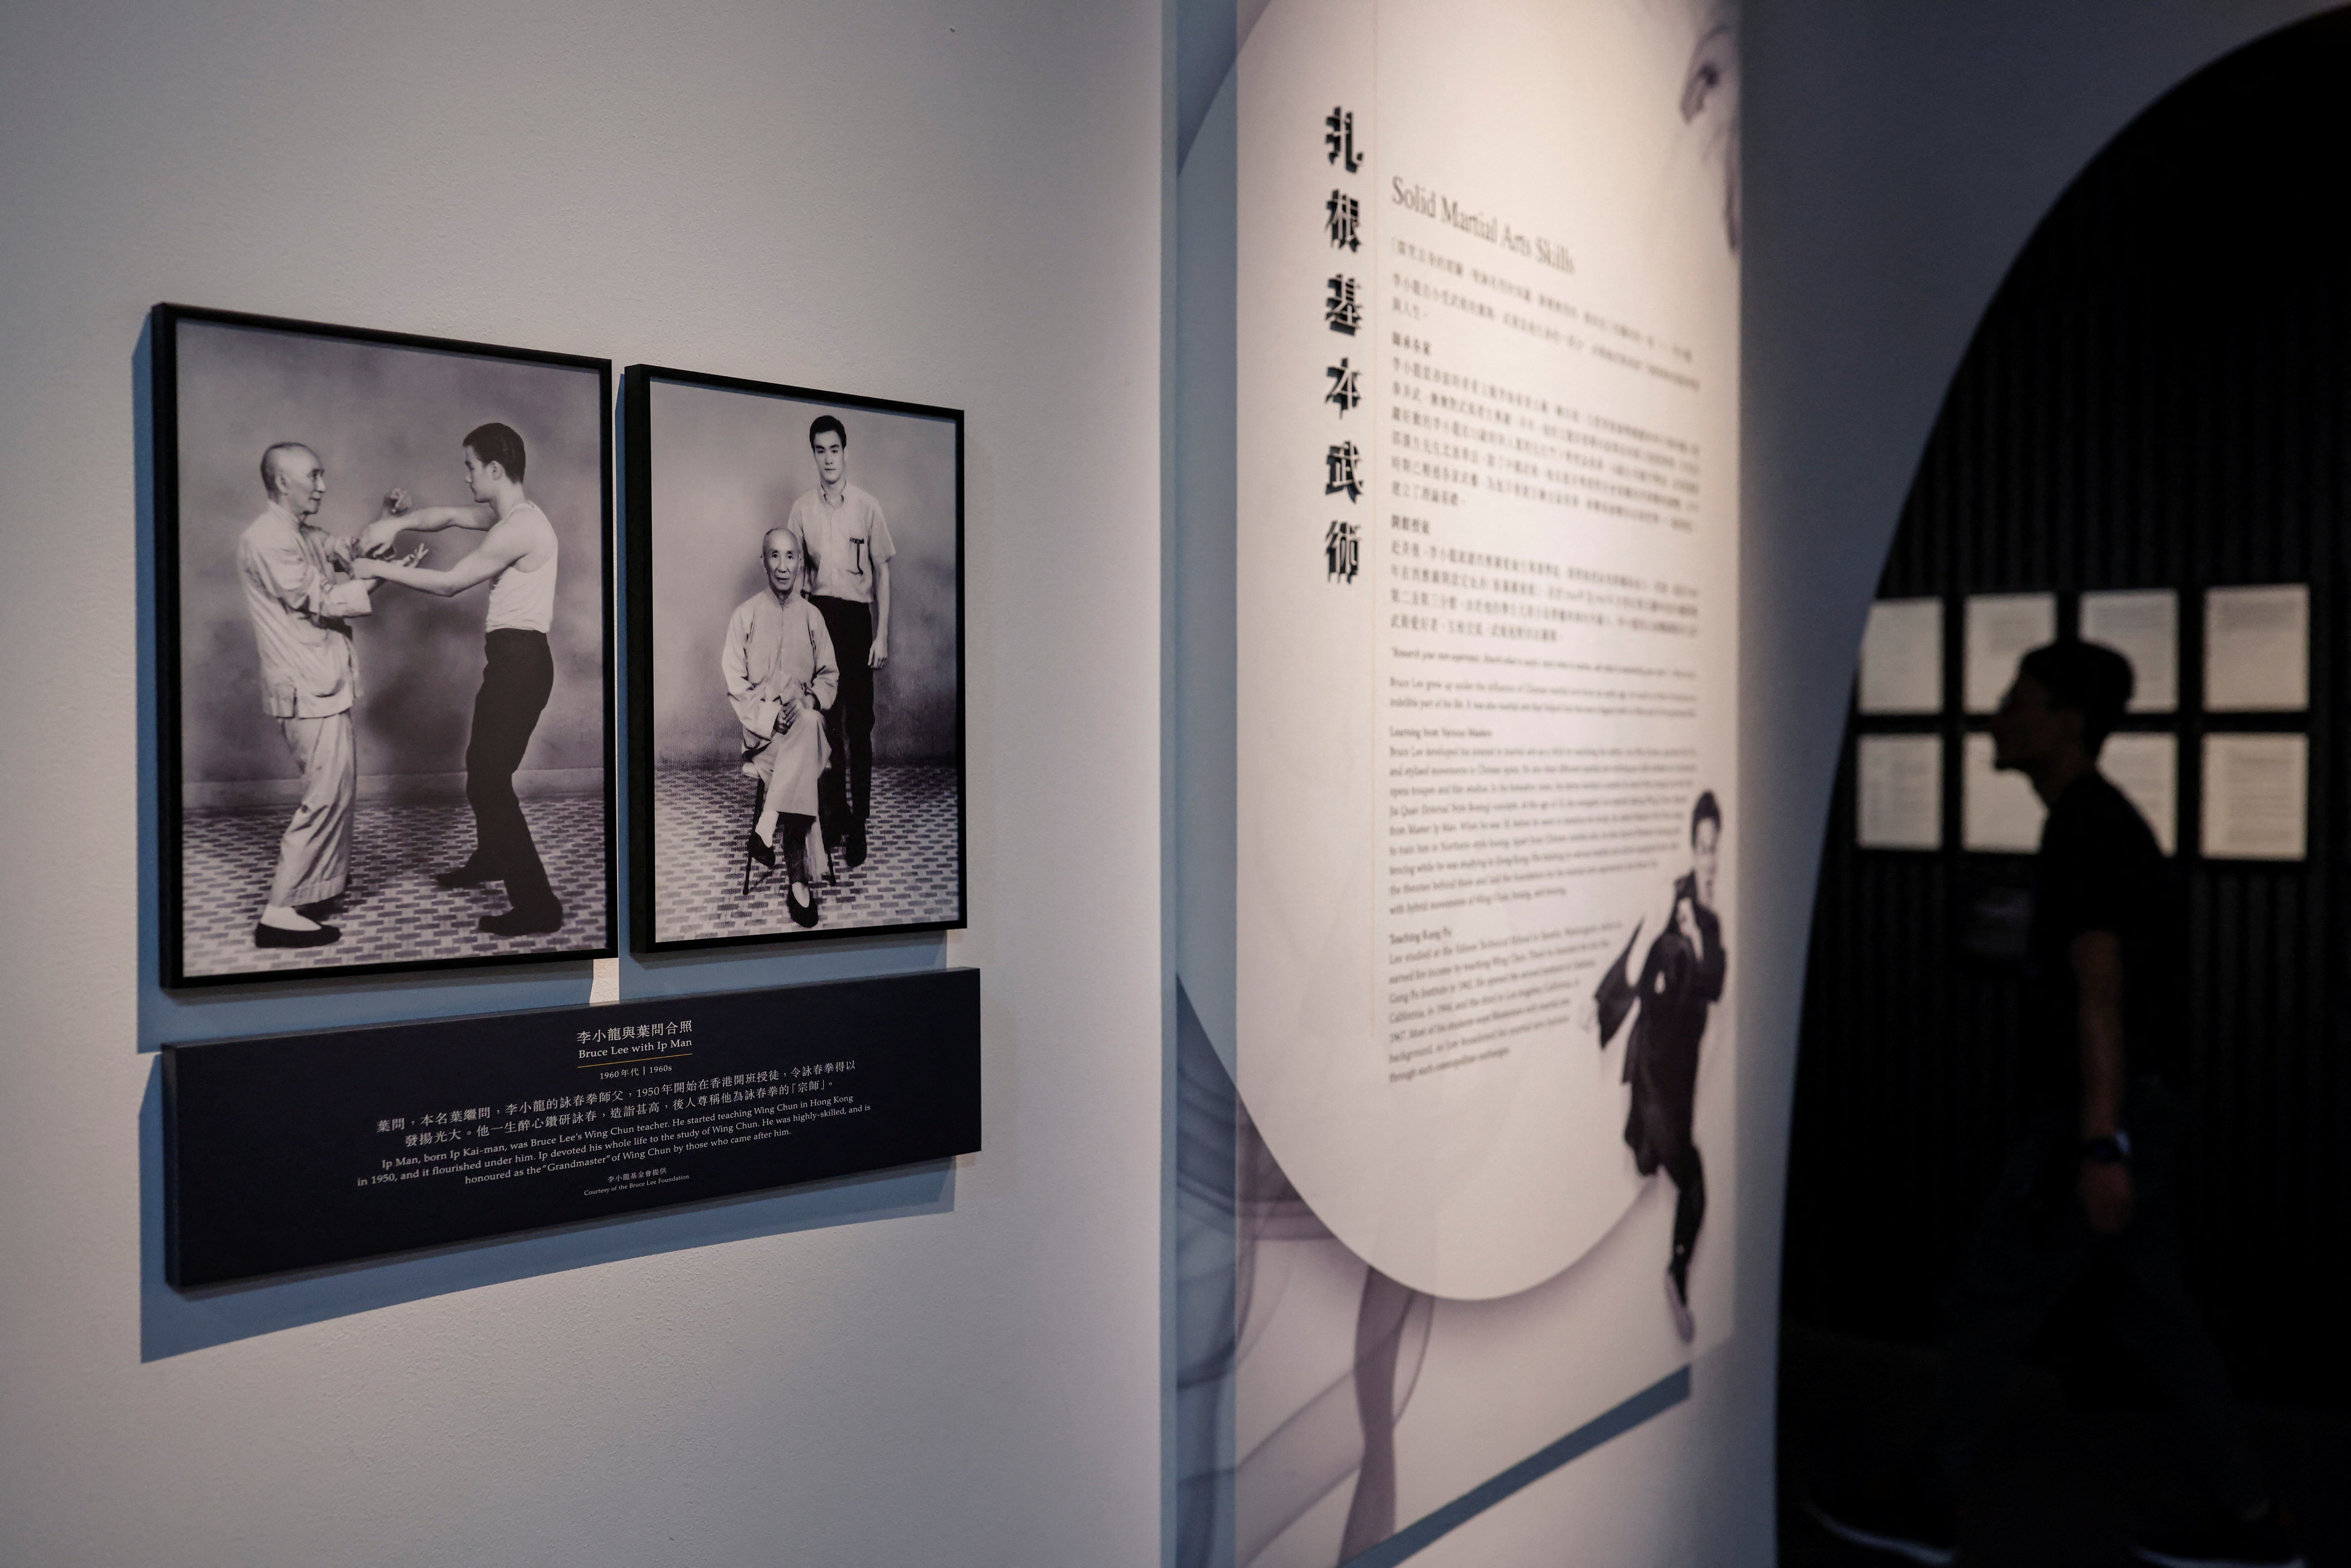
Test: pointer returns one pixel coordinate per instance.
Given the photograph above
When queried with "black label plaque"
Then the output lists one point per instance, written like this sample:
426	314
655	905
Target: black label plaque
292	1151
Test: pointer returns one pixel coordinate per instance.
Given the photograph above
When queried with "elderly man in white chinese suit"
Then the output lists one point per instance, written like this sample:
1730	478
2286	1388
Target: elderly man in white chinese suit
780	677
300	598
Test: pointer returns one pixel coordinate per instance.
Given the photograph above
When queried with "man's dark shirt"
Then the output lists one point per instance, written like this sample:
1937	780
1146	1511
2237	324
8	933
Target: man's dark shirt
1675	988
2099	869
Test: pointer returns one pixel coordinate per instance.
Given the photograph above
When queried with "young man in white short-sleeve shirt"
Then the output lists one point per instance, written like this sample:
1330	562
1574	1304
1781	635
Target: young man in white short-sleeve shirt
845	541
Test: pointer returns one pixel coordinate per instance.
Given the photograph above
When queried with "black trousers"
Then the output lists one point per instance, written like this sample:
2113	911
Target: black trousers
2034	1241
517	674
845	794
1690	1205
1658	1132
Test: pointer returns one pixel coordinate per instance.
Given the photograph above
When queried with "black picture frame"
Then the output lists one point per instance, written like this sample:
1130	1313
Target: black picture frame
642	539
165	322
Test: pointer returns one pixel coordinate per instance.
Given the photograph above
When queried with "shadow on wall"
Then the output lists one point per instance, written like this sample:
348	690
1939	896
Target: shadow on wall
379	417
726	467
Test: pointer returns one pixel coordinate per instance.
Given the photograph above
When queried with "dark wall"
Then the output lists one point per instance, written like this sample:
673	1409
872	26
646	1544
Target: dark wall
2158	397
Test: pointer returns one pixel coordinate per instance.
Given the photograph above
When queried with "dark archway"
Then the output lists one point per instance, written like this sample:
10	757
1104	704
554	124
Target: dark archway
2160	396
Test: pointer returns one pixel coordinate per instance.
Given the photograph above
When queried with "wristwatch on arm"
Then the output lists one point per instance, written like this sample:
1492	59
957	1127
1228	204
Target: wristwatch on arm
2110	1150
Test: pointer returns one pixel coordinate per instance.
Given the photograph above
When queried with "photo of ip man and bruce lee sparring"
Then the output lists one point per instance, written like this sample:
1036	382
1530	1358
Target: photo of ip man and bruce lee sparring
384	604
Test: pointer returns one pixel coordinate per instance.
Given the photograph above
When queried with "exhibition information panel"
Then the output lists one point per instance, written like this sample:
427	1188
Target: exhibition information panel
1488	582
295	1150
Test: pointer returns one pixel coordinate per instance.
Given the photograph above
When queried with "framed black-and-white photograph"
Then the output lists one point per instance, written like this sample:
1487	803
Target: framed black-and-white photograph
796	704
384	591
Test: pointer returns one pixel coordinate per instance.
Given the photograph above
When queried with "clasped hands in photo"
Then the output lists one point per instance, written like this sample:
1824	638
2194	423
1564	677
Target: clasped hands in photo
780	714
378	541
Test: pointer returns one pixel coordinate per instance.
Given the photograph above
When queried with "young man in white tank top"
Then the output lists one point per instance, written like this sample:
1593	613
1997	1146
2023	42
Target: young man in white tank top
517	558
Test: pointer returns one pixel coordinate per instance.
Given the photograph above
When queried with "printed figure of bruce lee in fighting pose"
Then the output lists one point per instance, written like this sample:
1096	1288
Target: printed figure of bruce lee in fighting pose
1679	983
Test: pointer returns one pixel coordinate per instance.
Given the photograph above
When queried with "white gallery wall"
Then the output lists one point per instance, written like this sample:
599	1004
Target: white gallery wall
952	204
955	203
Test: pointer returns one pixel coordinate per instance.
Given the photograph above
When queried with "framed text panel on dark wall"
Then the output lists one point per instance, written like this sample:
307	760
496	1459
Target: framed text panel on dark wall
796	693
384	602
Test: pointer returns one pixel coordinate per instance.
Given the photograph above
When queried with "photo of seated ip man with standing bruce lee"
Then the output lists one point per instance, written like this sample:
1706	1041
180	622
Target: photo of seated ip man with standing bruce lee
796	747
